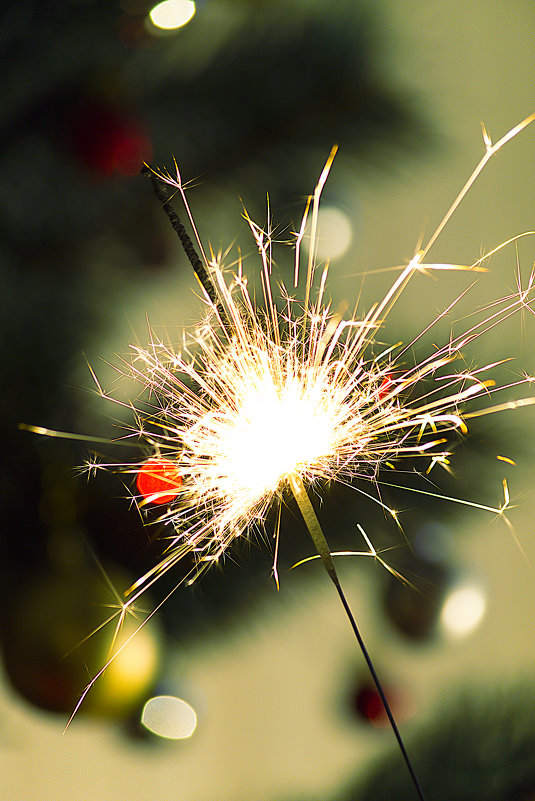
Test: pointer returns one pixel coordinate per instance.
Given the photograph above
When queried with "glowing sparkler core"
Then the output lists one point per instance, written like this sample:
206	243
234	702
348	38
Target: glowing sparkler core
274	432
275	415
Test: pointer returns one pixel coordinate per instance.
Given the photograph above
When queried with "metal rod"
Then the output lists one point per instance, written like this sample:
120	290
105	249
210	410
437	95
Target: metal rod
314	528
162	193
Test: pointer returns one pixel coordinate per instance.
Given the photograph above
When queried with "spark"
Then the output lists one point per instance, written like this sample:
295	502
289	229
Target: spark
506	459
49	432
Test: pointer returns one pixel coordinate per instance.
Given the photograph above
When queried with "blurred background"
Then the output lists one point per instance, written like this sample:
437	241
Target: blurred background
271	695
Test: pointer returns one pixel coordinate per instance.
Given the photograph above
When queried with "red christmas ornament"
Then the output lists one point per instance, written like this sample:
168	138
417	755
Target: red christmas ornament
109	140
366	704
369	706
159	481
384	387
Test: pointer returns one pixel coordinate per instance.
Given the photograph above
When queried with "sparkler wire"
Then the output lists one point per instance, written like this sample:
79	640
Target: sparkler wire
316	532
162	193
294	479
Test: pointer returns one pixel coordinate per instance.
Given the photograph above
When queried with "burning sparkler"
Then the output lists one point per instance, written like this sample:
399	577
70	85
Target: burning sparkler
265	399
262	399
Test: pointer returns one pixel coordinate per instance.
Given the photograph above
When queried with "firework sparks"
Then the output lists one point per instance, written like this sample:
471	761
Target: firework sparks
286	394
268	398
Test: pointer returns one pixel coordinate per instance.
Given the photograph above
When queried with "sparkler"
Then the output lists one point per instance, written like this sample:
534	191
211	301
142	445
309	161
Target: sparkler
265	399
260	400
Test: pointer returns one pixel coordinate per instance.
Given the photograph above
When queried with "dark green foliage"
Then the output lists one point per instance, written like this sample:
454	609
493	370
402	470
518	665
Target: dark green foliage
480	746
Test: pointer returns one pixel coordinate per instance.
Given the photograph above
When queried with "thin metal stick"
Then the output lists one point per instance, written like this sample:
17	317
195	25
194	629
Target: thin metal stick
162	193
318	537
